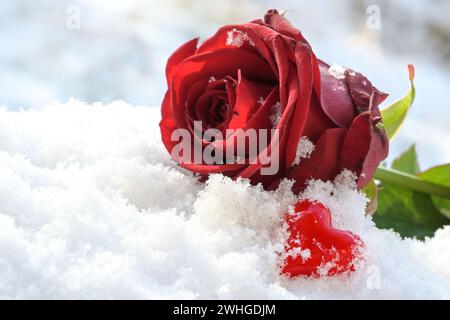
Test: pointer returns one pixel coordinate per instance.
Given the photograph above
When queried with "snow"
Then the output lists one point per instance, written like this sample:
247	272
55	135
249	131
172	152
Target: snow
276	114
237	38
92	207
304	149
337	71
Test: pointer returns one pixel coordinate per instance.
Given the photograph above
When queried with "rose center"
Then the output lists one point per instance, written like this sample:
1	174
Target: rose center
214	106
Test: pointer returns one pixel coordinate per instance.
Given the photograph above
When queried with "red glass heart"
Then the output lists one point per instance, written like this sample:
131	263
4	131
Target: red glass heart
314	247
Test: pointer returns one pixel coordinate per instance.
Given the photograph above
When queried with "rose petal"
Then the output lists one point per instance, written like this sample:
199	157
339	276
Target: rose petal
282	25
167	123
335	98
247	96
193	94
254	32
204	104
361	90
279	52
226	169
364	148
298	121
219	63
231	91
317	121
322	164
182	53
260	120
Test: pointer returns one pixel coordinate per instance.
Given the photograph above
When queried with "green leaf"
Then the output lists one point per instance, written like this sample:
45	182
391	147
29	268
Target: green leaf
407	161
413	204
394	115
439	175
410	213
371	192
412	182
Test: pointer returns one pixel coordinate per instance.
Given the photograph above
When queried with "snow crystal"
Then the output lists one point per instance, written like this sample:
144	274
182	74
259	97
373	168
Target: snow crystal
337	71
92	207
305	254
304	149
260	100
237	38
276	114
295	252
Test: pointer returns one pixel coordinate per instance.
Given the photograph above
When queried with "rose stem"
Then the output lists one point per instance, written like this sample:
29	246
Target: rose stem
411	182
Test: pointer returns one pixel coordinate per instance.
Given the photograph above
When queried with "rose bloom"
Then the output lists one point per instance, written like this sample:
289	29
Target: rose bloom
264	75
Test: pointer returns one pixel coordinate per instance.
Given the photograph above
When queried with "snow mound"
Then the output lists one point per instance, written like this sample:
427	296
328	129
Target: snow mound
92	207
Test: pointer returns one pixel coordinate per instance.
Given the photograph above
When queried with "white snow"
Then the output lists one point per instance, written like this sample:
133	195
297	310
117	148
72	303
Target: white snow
296	252
260	100
337	71
276	114
237	38
92	207
304	149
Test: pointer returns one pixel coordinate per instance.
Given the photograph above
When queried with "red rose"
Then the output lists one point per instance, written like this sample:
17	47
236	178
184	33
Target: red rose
264	75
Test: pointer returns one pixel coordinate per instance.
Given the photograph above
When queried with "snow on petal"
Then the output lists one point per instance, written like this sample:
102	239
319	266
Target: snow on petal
304	149
337	71
237	38
276	114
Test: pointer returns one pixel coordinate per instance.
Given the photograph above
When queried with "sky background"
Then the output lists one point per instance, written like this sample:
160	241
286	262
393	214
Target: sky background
120	50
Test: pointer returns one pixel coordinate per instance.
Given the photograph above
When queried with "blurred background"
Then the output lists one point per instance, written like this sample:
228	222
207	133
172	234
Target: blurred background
100	50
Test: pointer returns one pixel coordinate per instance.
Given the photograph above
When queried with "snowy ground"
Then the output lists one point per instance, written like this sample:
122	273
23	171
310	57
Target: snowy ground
92	207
